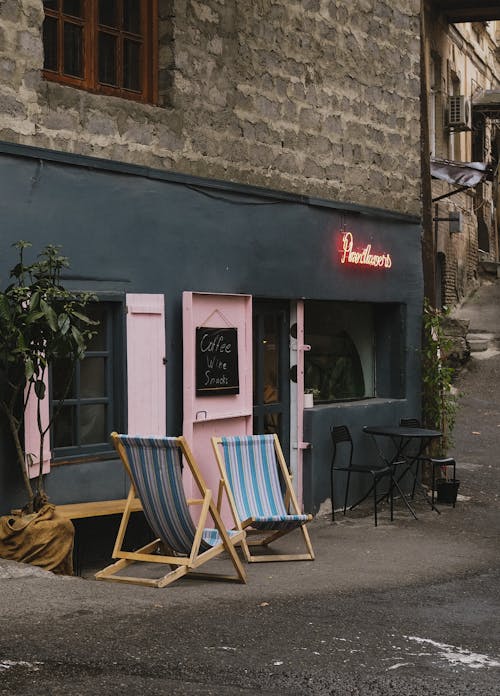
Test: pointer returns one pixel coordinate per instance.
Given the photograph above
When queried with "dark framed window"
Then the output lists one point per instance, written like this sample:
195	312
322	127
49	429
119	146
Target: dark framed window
358	350
341	363
107	46
92	406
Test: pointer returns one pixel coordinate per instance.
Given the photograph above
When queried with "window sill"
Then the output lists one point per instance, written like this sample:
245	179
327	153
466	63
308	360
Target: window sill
103	90
352	403
85	459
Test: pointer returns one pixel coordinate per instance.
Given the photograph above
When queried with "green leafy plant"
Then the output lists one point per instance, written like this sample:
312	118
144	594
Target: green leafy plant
40	322
439	404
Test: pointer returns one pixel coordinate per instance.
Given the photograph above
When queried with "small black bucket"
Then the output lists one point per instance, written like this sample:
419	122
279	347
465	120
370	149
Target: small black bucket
447	491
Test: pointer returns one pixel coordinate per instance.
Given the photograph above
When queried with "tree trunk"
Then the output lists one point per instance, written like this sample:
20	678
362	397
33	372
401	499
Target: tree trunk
14	429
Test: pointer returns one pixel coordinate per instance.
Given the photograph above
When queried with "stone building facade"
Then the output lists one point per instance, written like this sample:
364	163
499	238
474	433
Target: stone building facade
462	64
315	97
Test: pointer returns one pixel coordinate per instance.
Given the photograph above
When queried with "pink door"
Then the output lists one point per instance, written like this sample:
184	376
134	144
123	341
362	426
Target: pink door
218	397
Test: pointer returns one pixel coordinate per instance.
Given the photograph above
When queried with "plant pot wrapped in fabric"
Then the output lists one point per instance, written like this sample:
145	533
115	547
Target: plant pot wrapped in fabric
43	538
447	491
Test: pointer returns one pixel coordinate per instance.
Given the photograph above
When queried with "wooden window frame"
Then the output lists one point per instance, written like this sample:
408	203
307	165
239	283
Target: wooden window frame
90	81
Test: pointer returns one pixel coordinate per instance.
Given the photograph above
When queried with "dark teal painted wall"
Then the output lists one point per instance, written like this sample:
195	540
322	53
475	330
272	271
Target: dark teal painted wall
129	229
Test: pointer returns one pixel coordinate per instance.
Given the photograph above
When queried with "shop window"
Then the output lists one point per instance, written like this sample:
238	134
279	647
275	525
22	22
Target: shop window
106	46
341	363
91	406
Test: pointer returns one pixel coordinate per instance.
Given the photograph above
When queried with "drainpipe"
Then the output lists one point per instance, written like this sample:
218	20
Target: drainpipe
428	241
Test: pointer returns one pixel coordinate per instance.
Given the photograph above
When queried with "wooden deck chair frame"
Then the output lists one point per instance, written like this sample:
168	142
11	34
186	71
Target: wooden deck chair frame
269	536
180	565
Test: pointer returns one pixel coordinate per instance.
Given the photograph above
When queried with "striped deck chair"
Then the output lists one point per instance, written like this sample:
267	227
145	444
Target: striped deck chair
250	468
154	467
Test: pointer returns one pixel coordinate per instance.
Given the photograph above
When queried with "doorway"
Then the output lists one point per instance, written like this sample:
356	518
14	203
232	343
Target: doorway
271	370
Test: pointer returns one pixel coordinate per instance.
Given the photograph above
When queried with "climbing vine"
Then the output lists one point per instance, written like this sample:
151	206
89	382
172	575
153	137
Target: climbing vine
439	403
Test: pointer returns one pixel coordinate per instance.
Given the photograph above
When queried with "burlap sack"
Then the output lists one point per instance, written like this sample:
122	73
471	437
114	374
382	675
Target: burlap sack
43	539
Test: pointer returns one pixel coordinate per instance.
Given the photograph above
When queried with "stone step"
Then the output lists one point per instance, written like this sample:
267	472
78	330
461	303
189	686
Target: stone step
479	342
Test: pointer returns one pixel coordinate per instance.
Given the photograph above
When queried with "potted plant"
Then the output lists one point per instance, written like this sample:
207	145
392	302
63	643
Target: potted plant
447	487
439	403
309	395
40	321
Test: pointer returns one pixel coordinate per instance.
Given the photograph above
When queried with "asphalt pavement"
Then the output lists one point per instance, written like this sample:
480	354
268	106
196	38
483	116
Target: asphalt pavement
410	607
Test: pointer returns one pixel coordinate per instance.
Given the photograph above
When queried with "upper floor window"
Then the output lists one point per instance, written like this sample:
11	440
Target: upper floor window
106	46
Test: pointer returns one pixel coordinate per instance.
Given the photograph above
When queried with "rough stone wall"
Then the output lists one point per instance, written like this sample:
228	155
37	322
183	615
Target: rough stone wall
459	250
312	96
466	52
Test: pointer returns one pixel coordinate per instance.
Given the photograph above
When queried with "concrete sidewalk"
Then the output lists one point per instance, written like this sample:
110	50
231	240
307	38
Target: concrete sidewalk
351	556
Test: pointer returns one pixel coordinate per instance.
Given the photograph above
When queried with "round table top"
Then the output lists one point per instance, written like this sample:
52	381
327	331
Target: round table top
401	431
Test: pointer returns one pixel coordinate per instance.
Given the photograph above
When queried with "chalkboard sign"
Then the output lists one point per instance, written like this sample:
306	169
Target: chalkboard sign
216	361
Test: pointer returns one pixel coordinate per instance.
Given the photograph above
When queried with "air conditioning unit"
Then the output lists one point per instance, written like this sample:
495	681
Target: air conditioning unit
458	113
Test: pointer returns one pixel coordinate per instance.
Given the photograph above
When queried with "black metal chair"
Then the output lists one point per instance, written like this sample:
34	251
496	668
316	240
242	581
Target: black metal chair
341	437
437	463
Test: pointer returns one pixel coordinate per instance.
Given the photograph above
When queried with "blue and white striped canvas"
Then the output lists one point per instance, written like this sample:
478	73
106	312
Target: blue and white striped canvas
252	471
155	464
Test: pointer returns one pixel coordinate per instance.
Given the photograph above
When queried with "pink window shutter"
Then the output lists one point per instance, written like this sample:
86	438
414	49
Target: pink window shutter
32	435
146	364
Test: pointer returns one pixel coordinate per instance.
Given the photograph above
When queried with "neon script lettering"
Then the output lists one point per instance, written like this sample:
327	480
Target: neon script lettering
362	257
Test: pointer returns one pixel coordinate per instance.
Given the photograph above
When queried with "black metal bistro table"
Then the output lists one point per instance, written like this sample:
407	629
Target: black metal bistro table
402	437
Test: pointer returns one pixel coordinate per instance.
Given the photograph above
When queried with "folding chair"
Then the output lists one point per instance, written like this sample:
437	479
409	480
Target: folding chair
155	469
250	468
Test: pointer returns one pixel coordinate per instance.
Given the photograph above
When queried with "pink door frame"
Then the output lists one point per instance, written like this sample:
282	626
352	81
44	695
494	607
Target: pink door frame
300	348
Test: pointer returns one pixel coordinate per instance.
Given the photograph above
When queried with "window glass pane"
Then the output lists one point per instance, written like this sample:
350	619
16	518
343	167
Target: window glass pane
131	65
63	382
271	353
92	377
73	8
50	4
65	427
73	50
340	364
107	59
93	426
50	43
132	16
97	313
108	13
272	423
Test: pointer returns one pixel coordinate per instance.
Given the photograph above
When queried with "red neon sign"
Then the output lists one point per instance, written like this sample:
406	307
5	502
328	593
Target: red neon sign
362	256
